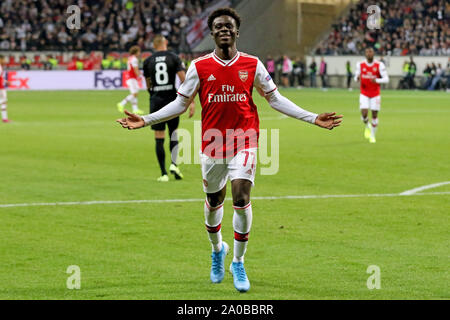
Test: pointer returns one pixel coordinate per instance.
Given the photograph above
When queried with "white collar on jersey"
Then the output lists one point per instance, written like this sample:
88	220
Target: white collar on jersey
226	63
369	64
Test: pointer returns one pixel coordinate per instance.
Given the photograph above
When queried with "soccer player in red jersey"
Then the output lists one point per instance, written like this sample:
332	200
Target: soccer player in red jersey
132	75
224	80
370	73
3	84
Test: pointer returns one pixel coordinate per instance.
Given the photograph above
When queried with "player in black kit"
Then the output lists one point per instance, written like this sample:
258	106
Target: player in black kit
160	71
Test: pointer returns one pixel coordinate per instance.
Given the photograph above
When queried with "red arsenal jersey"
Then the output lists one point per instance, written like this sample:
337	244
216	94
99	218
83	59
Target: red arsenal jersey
132	62
229	116
367	72
2	78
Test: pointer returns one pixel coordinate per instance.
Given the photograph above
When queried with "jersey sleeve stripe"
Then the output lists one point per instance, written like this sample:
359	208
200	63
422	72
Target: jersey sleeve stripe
183	95
271	91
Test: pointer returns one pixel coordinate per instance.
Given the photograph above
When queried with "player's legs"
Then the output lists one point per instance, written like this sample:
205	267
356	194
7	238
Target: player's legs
134	104
374	126
213	210
134	90
242	217
173	126
242	174
242	222
375	103
159	149
215	177
364	105
133	86
213	217
3	105
160	134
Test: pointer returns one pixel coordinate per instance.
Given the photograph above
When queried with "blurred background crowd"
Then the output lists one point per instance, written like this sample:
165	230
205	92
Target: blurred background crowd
37	30
30	25
411	27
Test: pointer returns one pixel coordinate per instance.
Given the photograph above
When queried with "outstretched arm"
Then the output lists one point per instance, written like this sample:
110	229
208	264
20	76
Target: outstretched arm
287	107
186	94
182	75
171	110
267	88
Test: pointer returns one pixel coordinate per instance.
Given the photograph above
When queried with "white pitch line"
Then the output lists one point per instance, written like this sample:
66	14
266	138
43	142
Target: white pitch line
428	186
85	203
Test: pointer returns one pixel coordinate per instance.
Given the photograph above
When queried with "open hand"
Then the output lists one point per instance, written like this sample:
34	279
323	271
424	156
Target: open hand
133	121
328	120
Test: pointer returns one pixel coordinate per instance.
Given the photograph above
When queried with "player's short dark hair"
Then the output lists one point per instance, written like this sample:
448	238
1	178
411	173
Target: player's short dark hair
224	12
1	56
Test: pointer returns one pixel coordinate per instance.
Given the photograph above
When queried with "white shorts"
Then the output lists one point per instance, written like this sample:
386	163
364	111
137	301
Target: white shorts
369	103
133	85
216	172
3	97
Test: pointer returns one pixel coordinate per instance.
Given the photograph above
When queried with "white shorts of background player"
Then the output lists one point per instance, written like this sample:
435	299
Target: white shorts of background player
3	97
133	86
369	103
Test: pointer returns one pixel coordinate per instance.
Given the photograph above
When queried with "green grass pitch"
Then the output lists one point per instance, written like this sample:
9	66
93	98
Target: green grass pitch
66	147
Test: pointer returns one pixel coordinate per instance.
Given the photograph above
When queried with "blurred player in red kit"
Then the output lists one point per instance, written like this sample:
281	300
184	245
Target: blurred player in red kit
133	74
370	73
224	80
3	84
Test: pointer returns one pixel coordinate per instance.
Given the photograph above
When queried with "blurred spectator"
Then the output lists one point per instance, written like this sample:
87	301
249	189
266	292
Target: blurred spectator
106	25
312	73
447	75
429	74
107	62
117	64
270	65
299	72
286	71
323	73
50	63
405	69
279	69
435	83
25	63
409	27
348	68
403	83
411	73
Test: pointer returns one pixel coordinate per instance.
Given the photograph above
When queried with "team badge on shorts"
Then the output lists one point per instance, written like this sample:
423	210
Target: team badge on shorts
243	75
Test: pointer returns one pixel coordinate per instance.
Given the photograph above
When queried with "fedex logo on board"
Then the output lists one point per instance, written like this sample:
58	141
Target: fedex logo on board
102	80
16	82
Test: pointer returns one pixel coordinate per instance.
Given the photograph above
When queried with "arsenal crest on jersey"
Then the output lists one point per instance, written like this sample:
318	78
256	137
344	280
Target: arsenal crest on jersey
243	75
